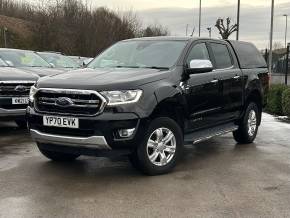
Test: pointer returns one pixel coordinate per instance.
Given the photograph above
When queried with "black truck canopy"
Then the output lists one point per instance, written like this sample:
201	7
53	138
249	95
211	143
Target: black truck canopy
248	55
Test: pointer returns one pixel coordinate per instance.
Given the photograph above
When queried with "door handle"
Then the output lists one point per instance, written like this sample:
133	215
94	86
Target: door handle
214	81
236	77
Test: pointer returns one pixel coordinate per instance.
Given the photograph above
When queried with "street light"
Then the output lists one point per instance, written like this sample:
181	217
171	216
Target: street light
209	31
199	25
5	40
287	64
286	16
271	38
238	19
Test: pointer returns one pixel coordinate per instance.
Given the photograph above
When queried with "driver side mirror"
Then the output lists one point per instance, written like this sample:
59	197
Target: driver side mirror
200	66
52	65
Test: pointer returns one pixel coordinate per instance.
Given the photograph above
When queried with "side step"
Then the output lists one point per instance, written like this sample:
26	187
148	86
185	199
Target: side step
206	134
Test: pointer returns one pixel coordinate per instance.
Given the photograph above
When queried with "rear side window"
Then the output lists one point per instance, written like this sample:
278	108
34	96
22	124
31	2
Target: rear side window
249	56
221	55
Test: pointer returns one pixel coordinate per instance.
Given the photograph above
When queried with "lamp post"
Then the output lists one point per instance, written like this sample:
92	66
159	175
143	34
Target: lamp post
286	27
271	38
238	20
287	64
199	24
5	40
209	31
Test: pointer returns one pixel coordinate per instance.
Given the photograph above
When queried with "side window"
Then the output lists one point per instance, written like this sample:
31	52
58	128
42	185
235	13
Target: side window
221	55
198	51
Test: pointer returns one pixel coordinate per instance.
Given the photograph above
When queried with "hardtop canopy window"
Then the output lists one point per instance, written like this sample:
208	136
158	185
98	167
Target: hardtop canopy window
140	54
249	56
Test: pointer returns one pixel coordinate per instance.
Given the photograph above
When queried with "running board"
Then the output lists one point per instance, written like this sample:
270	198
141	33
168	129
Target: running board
203	135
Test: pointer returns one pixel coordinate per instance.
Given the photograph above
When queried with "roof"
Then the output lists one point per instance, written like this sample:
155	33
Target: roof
173	38
14	49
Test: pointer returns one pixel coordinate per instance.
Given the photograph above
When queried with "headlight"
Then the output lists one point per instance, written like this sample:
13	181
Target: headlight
122	97
32	92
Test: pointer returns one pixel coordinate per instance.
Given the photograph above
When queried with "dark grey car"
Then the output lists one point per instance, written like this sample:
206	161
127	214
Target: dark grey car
28	61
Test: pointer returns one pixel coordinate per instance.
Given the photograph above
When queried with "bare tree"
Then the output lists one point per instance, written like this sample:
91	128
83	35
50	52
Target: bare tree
73	27
225	30
155	30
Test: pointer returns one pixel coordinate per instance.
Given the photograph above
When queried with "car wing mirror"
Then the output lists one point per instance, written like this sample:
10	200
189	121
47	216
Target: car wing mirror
200	66
52	65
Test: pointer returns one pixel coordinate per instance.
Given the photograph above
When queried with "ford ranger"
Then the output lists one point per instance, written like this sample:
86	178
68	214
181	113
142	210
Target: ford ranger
147	97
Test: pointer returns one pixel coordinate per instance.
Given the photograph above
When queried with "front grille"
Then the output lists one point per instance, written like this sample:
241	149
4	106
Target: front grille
81	102
15	88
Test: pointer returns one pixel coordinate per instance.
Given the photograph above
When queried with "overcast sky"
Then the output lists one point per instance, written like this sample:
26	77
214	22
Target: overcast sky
176	14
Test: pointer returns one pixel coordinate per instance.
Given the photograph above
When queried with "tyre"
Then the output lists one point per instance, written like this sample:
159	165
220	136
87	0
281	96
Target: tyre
21	124
57	156
248	127
160	149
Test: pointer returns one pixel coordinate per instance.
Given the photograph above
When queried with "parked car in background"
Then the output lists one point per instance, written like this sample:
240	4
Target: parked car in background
28	61
14	93
146	97
58	60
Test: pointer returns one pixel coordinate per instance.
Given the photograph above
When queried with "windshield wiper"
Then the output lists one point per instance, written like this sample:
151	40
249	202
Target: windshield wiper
127	67
158	68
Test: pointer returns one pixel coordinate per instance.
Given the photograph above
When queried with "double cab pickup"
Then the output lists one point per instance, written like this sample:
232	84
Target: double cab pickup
147	98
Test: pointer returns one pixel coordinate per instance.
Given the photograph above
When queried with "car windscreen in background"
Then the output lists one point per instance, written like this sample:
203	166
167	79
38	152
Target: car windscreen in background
248	55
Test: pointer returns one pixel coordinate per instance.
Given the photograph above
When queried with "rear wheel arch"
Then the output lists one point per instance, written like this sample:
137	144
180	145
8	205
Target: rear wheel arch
255	96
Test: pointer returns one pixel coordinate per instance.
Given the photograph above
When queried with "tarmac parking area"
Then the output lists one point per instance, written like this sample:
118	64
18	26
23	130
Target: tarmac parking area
217	178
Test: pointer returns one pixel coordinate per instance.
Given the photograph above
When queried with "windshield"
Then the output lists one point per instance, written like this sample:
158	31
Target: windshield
140	54
2	63
20	58
58	60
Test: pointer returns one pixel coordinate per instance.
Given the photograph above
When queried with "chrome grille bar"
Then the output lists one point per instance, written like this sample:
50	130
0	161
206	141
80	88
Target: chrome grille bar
83	102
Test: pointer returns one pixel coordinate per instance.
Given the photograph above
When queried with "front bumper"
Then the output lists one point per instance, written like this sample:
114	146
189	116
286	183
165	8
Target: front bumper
12	112
97	142
99	132
8	110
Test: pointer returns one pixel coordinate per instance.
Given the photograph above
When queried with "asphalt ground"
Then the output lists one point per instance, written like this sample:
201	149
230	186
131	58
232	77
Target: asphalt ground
216	178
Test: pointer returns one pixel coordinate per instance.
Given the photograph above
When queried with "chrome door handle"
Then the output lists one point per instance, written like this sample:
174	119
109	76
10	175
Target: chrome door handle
236	77
214	81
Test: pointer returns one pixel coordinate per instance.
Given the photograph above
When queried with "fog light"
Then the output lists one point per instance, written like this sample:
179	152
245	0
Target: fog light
125	133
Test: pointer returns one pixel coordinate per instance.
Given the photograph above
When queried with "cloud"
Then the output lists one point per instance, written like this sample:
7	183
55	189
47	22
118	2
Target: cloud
254	22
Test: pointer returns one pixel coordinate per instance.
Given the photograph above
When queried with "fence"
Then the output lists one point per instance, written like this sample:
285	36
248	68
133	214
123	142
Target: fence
279	66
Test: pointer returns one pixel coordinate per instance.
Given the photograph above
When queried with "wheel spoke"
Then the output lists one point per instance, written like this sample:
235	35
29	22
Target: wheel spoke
168	137
159	135
154	156
170	149
163	158
151	144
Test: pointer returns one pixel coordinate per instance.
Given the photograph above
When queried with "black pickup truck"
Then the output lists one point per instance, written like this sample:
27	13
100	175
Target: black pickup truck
147	97
14	93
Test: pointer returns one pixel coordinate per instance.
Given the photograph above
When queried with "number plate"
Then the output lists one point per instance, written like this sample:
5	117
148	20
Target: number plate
22	100
65	122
